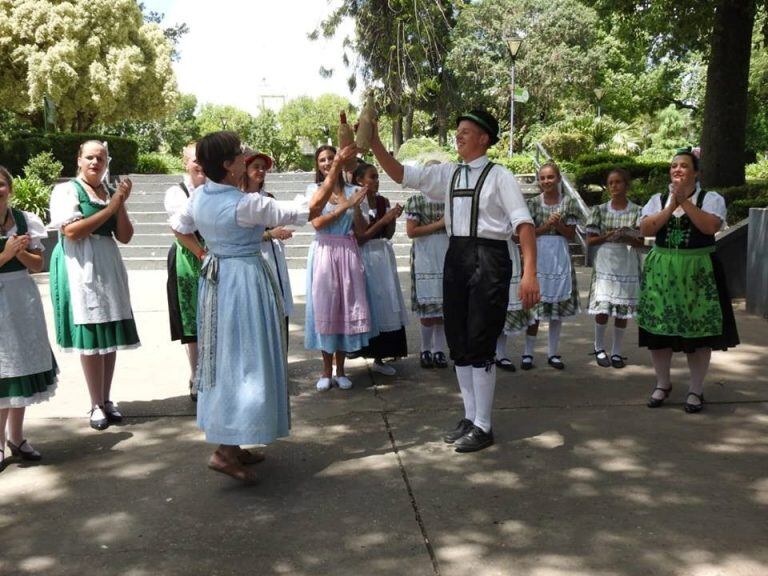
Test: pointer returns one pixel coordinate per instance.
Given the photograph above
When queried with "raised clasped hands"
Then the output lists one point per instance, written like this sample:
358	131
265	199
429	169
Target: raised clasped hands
554	220
394	212
16	244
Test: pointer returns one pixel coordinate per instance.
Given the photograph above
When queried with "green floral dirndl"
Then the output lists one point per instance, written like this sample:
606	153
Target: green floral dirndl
684	303
89	287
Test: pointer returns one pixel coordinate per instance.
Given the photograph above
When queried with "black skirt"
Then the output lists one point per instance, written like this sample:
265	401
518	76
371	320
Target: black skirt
728	338
174	309
476	278
386	345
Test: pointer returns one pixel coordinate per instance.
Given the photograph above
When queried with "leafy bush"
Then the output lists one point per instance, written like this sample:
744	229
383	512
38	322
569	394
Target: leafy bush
601	158
517	164
758	170
422	149
31	194
65	147
566	145
44	167
158	163
739	199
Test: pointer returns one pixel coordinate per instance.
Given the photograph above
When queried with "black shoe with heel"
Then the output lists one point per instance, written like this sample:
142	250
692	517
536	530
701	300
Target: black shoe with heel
31	455
426	359
656	402
693	408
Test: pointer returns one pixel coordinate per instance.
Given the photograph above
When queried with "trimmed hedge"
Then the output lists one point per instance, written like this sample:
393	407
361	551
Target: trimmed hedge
602	158
739	199
157	163
597	174
16	153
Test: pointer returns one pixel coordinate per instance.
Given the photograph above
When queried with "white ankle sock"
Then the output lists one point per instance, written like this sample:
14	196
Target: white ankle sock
618	340
554	336
484	382
426	337
530	344
600	336
501	346
438	338
464	374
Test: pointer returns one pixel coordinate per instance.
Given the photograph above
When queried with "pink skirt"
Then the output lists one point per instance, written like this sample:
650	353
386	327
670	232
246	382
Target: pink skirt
339	300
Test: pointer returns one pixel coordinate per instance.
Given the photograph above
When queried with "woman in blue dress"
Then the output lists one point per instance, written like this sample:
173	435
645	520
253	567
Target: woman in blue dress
242	371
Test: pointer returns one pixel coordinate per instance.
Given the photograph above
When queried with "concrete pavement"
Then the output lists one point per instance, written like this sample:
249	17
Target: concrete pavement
583	480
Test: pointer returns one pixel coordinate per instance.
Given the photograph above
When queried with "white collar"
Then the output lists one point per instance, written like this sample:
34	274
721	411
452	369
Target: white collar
477	162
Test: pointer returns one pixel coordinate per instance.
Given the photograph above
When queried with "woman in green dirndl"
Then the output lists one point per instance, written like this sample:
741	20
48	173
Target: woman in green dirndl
89	284
184	260
27	367
684	304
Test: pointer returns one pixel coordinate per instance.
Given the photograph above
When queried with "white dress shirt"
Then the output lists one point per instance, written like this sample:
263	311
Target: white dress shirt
502	206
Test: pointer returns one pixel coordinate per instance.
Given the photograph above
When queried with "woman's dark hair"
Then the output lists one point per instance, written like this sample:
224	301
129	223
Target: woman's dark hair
319	175
213	150
623	174
688	152
5	175
359	172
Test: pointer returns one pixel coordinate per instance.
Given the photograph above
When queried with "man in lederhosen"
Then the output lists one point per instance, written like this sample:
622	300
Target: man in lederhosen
484	207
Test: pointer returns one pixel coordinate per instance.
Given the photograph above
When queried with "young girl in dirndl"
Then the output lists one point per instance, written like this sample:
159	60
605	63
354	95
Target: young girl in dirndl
27	366
615	285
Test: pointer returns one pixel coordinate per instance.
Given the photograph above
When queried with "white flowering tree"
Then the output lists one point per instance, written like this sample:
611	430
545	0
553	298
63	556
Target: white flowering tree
96	60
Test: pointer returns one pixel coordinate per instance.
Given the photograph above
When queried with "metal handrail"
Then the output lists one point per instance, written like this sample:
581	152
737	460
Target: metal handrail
581	232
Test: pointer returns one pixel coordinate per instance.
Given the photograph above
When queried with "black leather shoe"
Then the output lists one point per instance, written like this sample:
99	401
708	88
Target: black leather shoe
474	440
98	419
426	359
602	358
439	360
693	408
656	402
461	429
505	364
556	362
113	414
618	361
527	362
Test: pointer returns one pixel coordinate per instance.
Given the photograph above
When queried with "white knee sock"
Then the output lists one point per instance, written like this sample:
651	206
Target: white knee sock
501	346
600	336
554	336
464	374
698	365
618	340
484	381
426	337
438	338
530	344
662	364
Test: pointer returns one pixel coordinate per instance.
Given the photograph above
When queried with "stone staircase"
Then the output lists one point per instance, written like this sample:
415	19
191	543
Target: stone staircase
152	236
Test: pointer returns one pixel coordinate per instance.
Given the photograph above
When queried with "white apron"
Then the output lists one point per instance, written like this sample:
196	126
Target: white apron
98	282
553	268
24	347
386	296
617	274
428	259
514	285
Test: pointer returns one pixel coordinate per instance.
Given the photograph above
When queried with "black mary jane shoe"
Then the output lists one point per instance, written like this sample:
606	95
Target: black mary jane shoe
556	362
439	360
100	422
526	363
618	361
693	408
505	364
602	358
474	440
30	455
426	359
461	429
656	402
112	413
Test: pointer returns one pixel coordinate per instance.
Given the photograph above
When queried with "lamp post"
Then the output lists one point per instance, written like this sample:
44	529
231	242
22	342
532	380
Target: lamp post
513	43
599	95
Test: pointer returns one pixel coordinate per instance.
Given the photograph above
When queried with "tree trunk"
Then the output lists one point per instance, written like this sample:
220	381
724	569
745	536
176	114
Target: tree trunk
397	132
723	135
408	123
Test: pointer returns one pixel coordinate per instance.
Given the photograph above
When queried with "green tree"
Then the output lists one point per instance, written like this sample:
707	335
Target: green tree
267	137
215	117
97	60
722	30
313	121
